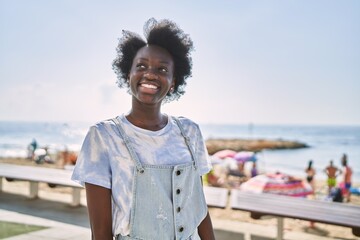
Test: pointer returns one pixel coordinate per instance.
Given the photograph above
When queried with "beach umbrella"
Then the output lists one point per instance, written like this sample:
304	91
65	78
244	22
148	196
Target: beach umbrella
225	153
277	183
215	160
245	156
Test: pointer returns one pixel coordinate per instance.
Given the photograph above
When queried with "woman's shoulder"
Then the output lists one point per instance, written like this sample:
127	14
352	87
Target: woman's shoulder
103	127
190	127
186	121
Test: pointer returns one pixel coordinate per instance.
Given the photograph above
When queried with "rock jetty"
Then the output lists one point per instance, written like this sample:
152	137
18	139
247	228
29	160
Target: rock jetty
255	145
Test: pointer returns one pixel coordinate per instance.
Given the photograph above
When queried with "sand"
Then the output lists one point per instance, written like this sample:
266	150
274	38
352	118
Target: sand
330	231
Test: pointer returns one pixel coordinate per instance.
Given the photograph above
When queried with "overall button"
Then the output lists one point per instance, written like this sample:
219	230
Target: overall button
178	172
178	209
178	191
181	229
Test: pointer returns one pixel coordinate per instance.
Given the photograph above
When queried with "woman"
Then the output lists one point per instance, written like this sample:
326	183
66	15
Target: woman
347	174
142	170
310	174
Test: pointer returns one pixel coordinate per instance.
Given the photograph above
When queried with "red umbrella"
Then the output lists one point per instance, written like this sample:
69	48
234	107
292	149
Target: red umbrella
277	183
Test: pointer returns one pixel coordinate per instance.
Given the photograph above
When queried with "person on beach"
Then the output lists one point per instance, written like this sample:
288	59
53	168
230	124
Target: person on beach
332	172
31	149
347	174
68	157
254	171
310	178
310	174
142	169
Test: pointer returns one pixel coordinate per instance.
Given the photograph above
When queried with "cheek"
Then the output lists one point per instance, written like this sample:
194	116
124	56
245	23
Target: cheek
131	78
131	83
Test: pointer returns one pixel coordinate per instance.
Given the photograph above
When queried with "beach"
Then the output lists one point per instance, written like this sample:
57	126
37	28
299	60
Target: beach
295	225
232	217
323	143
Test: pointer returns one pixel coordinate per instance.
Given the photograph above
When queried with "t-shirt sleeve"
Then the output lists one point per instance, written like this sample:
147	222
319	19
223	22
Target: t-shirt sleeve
201	153
92	165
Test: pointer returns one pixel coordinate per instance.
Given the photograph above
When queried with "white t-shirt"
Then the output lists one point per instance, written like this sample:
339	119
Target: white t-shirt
105	161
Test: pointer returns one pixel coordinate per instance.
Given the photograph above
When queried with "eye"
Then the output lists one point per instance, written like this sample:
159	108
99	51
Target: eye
140	66
163	70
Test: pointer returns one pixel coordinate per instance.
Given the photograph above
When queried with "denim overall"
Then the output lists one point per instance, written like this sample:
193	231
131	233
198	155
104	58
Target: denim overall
168	201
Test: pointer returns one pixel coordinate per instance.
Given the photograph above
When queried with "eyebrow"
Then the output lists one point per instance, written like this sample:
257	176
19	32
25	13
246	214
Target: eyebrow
163	62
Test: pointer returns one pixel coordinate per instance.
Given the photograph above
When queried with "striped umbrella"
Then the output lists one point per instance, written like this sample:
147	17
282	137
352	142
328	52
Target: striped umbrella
245	156
225	153
277	183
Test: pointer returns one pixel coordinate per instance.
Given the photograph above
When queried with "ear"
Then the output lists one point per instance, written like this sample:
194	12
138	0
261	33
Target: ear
127	80
172	86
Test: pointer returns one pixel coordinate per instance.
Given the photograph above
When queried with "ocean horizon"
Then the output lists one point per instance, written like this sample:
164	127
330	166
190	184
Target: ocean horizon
326	142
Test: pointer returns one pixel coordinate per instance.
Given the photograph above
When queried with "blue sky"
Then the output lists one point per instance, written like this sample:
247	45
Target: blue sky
273	62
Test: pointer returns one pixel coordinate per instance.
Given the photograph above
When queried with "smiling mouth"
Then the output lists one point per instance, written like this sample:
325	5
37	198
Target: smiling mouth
149	86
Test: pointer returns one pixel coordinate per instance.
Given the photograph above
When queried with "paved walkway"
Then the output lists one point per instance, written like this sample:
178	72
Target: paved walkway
57	230
65	222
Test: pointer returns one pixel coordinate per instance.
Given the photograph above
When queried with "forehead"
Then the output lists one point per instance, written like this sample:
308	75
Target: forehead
152	52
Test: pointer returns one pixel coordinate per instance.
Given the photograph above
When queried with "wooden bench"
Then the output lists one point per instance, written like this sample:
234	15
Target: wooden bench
35	175
215	196
258	205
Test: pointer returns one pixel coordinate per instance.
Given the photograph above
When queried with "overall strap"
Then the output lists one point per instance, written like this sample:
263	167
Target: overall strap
187	140
133	155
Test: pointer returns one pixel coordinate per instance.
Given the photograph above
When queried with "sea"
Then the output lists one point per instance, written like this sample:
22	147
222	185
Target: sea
325	142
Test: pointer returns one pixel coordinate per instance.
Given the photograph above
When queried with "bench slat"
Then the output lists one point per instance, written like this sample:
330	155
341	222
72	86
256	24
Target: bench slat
38	174
300	208
216	197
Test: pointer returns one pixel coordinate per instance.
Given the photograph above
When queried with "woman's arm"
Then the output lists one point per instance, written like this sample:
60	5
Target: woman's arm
99	208
205	229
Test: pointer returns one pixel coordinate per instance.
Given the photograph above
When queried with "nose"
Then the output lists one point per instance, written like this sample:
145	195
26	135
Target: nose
150	74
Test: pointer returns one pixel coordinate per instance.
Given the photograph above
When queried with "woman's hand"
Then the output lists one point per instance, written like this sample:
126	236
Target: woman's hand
99	208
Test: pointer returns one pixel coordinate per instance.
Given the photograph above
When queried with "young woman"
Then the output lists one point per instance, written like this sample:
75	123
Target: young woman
310	174
347	174
142	170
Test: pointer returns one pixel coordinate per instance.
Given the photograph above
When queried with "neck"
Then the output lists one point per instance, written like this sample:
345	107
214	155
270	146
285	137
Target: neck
147	118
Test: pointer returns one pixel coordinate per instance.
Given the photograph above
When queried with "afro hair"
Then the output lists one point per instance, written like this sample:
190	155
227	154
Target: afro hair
165	34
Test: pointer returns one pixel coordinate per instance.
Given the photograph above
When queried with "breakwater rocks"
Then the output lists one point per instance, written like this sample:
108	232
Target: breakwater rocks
255	145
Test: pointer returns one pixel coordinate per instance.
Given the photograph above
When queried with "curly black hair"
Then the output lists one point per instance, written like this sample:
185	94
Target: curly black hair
165	34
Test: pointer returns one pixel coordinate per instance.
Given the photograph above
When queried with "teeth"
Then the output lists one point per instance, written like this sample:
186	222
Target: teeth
149	86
